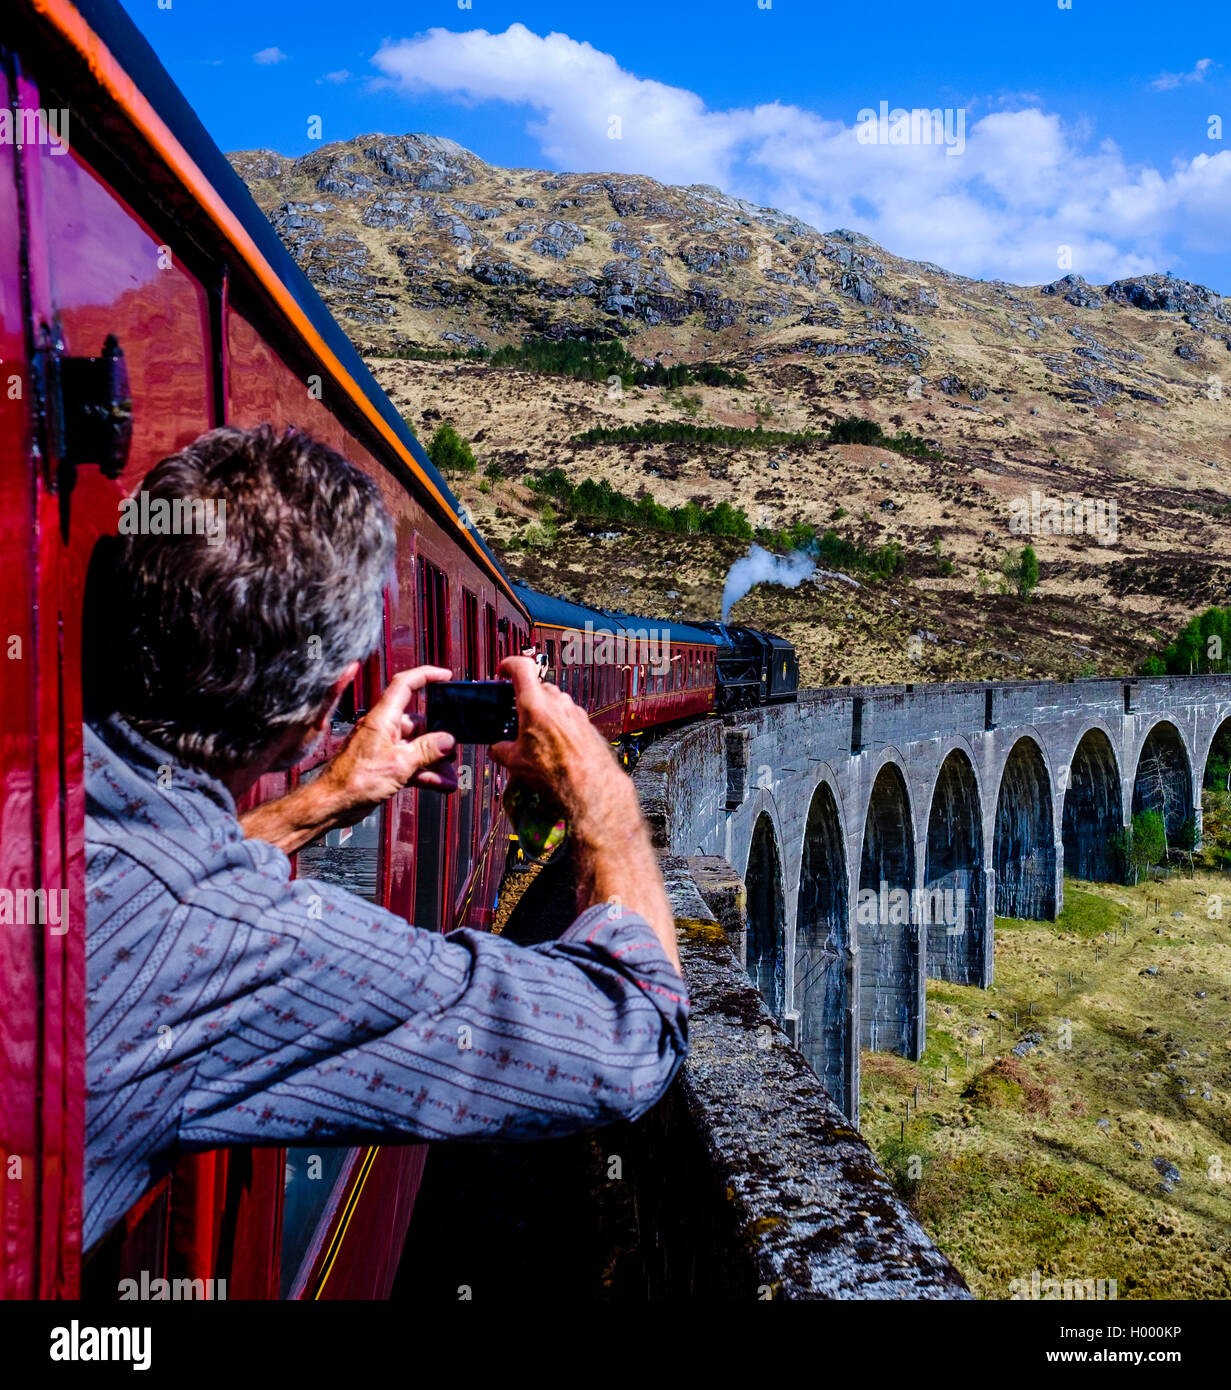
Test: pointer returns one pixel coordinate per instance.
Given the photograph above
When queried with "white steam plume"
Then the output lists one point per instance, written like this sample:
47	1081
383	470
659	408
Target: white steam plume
760	567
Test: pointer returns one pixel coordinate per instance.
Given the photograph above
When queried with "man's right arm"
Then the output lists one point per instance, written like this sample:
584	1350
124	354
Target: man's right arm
559	751
338	1022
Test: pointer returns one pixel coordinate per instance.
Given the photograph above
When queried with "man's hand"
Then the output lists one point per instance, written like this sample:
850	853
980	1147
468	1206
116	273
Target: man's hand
386	751
559	752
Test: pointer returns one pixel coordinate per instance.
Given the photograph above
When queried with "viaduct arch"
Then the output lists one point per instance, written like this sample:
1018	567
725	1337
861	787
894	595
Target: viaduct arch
879	831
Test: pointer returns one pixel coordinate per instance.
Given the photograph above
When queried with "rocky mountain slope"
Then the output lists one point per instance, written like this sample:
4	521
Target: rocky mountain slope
1109	393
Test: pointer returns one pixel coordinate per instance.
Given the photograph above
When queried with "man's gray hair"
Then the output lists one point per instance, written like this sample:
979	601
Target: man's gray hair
217	643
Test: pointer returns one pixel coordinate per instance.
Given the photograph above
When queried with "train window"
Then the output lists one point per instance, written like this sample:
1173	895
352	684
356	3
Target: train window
431	806
470	637
487	767
468	764
585	687
108	276
350	856
434	597
489	640
312	1173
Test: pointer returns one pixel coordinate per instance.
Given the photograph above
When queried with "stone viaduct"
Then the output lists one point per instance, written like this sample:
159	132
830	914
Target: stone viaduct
879	831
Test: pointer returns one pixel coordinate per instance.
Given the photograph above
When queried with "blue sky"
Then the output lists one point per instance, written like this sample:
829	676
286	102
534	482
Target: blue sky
1078	138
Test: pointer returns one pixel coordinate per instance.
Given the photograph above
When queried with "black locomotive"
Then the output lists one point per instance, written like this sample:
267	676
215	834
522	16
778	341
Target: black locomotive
754	668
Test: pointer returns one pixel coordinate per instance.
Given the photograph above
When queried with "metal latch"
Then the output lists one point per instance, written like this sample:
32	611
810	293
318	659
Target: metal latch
87	405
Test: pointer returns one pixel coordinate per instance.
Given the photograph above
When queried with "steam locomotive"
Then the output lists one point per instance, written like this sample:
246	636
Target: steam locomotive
756	668
144	298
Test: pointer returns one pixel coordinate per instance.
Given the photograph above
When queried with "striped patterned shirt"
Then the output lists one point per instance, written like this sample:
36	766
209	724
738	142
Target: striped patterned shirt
228	1003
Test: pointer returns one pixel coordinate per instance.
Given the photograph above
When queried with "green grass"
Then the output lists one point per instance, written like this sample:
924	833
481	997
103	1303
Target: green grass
1007	1165
1085	914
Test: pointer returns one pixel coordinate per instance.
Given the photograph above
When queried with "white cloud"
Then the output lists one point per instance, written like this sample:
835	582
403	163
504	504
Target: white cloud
342	75
267	56
1024	185
1166	81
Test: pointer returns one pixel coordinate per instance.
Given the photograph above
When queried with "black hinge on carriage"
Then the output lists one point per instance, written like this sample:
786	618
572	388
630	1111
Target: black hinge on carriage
86	407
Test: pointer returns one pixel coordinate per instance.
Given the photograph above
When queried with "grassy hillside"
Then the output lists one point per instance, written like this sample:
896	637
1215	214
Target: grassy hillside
679	343
1104	1151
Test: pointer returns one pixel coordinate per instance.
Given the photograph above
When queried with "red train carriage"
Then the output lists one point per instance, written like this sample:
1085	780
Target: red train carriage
143	299
632	675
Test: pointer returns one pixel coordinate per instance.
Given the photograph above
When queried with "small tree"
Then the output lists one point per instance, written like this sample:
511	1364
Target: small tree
1159	789
1021	571
1149	841
450	452
1028	573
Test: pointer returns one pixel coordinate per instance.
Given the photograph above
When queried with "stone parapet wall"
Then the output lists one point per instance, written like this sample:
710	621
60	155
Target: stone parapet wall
760	1187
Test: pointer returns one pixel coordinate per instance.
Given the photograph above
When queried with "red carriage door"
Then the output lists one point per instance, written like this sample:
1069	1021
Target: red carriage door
41	986
111	322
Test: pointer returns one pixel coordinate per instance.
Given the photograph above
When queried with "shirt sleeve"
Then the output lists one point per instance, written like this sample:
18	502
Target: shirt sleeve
354	1027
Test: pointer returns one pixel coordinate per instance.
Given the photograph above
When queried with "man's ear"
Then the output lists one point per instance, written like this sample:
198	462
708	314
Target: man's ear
339	689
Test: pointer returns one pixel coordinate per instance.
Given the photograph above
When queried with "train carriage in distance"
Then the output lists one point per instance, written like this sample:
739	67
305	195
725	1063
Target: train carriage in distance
144	298
634	676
